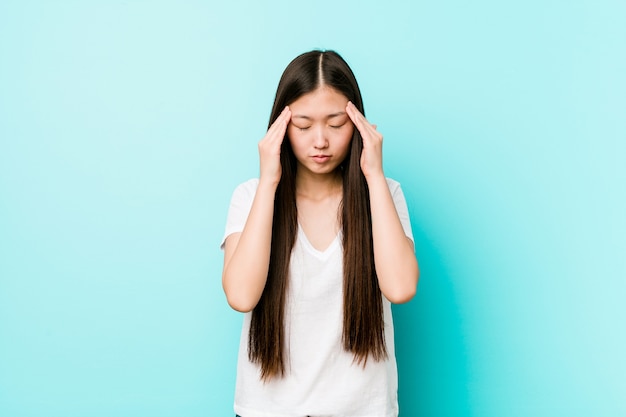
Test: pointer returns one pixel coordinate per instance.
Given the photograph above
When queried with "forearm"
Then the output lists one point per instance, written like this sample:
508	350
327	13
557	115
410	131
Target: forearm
394	256
247	255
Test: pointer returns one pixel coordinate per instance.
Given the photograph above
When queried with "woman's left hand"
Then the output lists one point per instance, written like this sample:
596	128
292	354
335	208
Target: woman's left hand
372	155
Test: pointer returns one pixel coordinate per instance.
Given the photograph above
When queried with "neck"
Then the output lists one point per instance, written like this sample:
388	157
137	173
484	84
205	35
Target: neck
319	187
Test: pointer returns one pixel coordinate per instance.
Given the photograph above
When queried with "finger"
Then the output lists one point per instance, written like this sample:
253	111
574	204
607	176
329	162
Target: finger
353	113
285	117
364	126
357	116
278	128
280	119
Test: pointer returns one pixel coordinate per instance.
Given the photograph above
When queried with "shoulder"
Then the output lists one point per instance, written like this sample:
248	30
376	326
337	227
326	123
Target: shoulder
244	194
249	185
393	185
246	189
396	193
240	205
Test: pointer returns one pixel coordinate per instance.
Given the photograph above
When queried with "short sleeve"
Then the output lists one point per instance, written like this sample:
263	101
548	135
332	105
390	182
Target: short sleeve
401	207
240	205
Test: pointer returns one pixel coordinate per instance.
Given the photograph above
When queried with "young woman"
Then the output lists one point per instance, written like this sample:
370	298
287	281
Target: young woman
315	250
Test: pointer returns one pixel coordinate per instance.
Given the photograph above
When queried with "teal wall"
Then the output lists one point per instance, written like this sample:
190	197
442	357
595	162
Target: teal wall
125	126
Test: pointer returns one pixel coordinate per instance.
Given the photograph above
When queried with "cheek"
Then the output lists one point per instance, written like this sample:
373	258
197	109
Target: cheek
294	135
346	134
343	140
350	130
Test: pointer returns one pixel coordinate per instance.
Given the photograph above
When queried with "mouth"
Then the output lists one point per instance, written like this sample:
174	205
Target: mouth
320	158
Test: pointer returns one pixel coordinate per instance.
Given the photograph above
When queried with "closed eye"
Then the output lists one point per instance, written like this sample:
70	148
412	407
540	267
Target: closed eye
337	126
301	128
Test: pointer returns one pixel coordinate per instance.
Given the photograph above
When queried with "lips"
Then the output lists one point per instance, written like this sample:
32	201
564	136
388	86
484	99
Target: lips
320	158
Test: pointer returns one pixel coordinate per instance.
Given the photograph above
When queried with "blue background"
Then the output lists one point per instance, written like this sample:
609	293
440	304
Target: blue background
125	126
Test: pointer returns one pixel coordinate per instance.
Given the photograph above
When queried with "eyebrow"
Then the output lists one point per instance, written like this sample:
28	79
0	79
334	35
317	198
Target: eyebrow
330	116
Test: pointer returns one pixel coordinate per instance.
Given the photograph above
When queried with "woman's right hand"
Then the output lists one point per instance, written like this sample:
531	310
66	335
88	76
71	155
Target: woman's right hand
269	148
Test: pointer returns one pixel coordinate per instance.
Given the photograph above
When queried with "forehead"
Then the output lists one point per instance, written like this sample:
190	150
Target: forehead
319	103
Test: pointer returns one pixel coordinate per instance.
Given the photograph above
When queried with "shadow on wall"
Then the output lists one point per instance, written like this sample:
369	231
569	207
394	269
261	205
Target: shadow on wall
430	350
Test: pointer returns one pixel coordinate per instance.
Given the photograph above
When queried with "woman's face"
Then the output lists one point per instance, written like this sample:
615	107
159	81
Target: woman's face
320	130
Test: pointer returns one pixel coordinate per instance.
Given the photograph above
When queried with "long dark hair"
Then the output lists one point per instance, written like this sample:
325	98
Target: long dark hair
363	321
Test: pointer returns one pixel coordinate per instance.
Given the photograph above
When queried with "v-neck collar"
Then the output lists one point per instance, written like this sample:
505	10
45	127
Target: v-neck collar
321	254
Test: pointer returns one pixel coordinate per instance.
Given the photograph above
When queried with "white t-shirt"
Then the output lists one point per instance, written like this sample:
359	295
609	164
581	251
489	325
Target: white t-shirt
321	378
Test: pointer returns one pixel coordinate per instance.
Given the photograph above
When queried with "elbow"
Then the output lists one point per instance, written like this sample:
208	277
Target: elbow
401	296
238	298
405	291
241	307
239	303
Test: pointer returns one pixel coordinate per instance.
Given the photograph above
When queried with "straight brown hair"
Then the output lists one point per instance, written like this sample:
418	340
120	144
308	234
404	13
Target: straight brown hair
363	320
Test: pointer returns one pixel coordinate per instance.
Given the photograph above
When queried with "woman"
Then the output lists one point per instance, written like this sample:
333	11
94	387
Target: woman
315	250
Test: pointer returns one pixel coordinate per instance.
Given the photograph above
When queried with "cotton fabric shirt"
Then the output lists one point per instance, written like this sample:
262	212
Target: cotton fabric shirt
321	378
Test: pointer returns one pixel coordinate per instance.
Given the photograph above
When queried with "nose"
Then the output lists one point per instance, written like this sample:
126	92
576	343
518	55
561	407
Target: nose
320	141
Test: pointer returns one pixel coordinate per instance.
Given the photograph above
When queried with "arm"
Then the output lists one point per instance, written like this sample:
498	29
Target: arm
394	257
247	254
